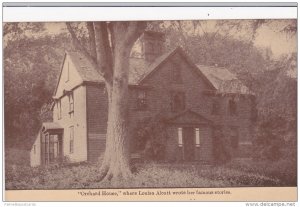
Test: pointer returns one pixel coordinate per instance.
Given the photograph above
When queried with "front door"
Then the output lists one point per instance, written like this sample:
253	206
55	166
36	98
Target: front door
188	143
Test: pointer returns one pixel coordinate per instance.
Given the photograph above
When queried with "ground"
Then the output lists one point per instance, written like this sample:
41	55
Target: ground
84	175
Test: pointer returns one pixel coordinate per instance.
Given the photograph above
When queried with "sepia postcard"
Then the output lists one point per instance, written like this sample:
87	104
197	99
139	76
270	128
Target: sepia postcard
165	110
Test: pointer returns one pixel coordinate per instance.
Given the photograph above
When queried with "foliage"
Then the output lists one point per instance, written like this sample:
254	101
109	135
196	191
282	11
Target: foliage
276	91
31	68
222	147
150	137
85	175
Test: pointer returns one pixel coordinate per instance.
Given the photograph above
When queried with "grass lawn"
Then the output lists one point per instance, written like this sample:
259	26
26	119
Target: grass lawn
84	175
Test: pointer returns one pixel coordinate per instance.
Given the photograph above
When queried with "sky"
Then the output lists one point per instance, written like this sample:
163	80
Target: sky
268	35
279	43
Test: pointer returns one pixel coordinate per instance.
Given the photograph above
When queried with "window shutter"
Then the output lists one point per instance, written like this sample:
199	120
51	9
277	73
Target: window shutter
197	131
180	137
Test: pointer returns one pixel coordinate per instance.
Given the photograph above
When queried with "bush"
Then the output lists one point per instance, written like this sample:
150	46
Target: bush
85	175
151	137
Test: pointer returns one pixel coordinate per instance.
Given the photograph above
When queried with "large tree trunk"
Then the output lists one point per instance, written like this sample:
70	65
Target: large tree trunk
110	47
116	158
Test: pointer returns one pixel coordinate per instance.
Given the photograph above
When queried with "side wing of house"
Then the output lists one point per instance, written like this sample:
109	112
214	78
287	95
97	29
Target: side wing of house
69	111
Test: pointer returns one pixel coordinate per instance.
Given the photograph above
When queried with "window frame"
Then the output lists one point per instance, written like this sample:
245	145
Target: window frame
197	137
71	97
180	137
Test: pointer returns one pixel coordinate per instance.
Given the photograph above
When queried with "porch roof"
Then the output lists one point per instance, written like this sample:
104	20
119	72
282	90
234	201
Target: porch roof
189	117
47	126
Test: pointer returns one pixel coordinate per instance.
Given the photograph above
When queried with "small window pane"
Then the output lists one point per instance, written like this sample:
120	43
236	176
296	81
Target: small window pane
180	137
197	137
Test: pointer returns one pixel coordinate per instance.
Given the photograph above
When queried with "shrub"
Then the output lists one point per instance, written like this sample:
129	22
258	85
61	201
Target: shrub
151	137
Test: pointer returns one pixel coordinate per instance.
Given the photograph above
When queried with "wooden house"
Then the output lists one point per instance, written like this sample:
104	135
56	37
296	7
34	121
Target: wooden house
195	100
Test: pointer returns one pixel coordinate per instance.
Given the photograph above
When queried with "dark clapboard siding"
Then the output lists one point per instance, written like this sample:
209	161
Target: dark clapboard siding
96	120
96	148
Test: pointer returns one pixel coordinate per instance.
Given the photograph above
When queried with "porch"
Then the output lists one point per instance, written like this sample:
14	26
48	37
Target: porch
51	143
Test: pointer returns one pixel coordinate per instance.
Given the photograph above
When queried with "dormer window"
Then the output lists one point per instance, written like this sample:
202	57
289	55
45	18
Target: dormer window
141	100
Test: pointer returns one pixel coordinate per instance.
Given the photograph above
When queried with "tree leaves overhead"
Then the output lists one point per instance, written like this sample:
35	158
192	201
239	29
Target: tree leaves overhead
31	68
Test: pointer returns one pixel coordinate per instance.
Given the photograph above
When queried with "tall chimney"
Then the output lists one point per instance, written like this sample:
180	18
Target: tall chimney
152	45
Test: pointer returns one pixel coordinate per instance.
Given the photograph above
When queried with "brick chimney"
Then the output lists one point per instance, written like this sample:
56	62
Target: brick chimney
152	45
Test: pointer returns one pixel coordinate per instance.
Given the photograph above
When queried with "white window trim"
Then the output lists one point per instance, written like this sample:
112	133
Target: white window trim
245	143
179	132
197	137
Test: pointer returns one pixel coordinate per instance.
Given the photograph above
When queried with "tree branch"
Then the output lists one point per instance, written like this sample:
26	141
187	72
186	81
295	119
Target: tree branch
83	50
91	31
103	49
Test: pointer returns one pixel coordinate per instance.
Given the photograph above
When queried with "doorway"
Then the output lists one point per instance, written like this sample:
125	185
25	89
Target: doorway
189	143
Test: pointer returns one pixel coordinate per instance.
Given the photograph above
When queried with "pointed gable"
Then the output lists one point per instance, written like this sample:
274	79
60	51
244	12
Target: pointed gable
155	66
68	78
189	117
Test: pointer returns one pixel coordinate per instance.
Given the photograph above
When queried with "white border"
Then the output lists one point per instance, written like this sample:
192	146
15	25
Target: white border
54	14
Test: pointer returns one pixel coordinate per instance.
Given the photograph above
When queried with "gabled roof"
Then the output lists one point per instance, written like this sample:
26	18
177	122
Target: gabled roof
85	69
160	60
223	80
189	117
217	77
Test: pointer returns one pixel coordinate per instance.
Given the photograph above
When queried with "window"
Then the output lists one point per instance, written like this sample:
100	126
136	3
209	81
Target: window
141	100
197	132
67	75
178	101
71	139
176	74
234	137
58	106
71	103
215	107
232	107
179	131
